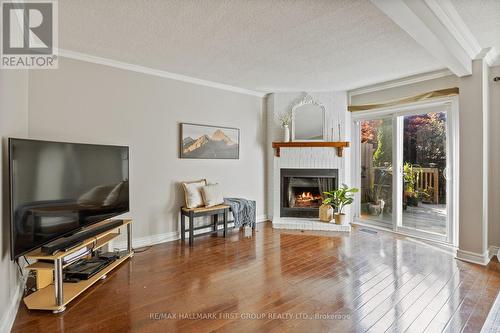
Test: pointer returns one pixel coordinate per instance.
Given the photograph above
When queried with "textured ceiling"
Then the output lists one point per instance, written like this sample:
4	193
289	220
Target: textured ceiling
260	45
482	17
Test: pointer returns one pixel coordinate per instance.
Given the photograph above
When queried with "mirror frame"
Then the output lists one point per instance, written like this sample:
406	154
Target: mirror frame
308	100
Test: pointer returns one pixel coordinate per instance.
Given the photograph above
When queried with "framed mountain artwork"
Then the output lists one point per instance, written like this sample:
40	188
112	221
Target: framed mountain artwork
209	142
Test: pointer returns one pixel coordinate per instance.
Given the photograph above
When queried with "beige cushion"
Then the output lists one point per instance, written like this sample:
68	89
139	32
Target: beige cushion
192	193
212	195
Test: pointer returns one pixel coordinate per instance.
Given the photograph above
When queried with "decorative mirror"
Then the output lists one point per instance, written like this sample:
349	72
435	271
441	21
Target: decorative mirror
308	120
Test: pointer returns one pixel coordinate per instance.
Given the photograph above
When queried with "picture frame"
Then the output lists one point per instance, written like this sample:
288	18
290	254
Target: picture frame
199	141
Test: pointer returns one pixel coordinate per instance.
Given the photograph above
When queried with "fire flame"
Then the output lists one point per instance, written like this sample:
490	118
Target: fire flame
308	196
307	199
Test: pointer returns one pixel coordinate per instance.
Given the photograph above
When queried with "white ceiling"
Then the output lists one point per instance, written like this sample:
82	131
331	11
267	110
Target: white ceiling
262	45
482	17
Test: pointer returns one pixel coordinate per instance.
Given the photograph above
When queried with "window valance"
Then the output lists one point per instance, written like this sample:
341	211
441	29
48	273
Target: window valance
405	100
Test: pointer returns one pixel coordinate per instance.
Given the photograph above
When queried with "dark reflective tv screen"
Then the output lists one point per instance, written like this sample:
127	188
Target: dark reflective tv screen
57	188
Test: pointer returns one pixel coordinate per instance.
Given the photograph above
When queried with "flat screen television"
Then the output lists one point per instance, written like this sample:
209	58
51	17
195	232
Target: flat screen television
58	188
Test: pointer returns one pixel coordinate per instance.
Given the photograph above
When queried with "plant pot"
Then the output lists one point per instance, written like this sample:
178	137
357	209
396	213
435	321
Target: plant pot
339	218
325	213
412	201
374	209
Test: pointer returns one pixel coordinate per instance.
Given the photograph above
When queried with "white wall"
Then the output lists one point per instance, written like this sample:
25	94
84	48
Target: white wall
85	102
13	122
494	203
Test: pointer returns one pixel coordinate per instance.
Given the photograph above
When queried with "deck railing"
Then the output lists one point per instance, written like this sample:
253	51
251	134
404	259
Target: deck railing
429	182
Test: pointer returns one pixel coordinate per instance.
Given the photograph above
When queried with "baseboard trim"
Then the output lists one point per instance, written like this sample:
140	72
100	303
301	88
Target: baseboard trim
472	257
144	241
139	242
9	316
494	251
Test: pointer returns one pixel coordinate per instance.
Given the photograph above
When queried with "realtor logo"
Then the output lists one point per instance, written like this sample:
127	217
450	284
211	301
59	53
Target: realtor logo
29	34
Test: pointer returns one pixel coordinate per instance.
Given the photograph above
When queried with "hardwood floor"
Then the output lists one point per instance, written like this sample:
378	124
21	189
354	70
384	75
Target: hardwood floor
277	280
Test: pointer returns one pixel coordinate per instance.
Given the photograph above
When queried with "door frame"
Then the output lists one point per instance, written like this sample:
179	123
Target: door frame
448	104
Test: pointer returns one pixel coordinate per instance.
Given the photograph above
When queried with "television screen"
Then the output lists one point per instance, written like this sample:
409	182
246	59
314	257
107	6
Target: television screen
57	188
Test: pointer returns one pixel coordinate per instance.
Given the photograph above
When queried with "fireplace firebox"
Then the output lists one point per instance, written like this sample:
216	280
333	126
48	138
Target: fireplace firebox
302	190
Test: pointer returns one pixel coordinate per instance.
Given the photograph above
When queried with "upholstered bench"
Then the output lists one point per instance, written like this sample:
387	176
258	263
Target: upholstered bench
192	213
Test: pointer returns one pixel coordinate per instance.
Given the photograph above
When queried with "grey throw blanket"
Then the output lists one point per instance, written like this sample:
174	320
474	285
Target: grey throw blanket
243	211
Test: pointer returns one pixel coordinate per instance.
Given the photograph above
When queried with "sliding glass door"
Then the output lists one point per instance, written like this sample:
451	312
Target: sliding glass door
424	172
403	170
376	154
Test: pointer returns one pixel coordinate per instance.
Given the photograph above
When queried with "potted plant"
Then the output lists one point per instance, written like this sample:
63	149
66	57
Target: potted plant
411	176
339	199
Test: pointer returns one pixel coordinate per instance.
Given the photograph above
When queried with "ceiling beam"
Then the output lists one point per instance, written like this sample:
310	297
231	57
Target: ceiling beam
445	11
437	28
492	57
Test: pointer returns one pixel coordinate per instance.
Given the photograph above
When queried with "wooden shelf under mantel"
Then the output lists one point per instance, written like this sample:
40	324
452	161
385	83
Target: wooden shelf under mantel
340	145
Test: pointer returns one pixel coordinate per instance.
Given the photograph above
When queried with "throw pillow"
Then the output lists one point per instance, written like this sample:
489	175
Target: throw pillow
192	194
212	195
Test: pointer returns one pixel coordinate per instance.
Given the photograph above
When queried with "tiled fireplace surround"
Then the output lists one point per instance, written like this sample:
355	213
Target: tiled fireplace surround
306	158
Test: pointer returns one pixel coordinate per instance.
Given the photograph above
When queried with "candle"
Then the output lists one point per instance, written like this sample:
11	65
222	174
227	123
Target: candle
338	122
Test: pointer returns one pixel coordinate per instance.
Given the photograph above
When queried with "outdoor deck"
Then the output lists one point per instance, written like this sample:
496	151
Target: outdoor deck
427	217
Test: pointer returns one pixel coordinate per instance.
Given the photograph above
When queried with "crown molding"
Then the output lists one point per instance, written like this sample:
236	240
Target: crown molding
400	82
155	72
